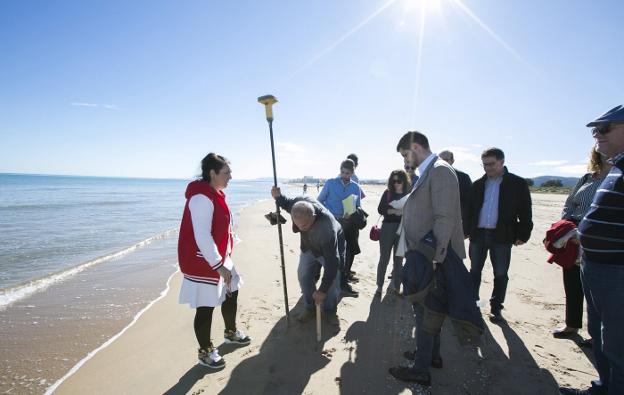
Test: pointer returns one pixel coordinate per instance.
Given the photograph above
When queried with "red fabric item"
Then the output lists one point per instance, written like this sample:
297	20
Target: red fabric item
566	256
190	258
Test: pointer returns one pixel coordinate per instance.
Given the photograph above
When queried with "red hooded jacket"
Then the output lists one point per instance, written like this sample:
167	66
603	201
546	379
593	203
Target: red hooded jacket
191	260
566	256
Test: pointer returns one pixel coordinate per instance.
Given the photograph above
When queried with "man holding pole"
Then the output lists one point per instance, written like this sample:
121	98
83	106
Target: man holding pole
322	245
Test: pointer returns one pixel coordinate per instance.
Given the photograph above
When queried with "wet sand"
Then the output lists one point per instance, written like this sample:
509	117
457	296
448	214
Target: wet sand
44	335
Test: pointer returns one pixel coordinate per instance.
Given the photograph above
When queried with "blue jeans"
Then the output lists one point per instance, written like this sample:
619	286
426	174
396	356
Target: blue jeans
307	272
604	291
427	345
500	256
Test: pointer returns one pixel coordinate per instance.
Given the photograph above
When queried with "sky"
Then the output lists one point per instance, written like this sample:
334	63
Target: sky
148	88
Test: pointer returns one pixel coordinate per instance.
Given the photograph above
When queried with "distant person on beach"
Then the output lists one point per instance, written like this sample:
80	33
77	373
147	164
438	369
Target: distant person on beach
397	188
204	254
322	245
334	192
318	186
355	160
576	206
501	218
354	177
465	190
601	234
435	279
305	188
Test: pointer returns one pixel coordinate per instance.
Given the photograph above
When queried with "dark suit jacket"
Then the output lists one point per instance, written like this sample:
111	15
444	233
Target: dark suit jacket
514	209
465	197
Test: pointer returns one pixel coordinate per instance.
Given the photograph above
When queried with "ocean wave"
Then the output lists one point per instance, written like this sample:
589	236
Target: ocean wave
13	294
47	206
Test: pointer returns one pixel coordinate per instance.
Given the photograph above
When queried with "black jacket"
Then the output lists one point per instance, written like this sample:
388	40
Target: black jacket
465	197
514	209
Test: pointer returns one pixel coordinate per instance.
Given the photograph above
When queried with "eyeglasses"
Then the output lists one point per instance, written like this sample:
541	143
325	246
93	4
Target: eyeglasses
489	164
602	129
397	181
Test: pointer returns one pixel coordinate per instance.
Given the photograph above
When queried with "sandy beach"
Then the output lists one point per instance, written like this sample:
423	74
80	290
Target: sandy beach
158	353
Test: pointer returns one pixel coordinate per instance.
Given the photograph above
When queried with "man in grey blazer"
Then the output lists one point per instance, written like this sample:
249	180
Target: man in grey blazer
432	212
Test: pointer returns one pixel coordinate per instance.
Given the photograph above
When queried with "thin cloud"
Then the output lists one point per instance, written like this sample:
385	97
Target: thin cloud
95	105
288	148
84	104
549	163
464	154
572	169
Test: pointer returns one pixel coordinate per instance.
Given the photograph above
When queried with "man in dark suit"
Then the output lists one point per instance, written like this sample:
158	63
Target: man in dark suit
465	190
501	218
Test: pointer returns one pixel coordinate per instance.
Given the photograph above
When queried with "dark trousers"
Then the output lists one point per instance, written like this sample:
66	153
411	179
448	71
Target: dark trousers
574	296
427	345
500	256
203	319
351	235
604	291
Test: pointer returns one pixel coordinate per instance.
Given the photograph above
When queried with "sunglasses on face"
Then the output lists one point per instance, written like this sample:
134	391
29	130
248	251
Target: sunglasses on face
602	129
396	181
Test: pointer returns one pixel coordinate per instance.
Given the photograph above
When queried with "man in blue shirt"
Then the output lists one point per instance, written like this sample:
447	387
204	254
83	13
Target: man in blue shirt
332	195
501	217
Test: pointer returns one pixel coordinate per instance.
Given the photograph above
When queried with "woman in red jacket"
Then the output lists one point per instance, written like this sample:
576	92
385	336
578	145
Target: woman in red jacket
204	250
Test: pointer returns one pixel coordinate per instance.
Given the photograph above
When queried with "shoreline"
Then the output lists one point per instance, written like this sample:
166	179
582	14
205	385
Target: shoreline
45	307
158	356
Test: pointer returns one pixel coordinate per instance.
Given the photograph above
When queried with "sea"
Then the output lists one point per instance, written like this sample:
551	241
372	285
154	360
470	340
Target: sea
80	257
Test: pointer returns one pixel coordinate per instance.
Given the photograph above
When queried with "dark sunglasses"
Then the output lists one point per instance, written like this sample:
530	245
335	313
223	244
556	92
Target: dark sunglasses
397	181
603	129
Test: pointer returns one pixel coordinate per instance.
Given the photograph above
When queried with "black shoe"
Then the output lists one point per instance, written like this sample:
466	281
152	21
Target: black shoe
352	279
564	333
572	391
405	374
352	272
347	290
409	355
436	363
497	317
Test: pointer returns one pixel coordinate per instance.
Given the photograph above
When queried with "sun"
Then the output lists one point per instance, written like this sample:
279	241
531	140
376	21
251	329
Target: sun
429	5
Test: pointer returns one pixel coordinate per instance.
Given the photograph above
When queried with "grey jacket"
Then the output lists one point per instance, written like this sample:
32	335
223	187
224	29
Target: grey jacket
324	239
434	205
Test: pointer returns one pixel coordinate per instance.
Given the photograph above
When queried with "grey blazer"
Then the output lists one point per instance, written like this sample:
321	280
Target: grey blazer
434	205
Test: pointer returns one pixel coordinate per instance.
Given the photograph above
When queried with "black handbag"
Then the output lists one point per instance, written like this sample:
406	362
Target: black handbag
358	219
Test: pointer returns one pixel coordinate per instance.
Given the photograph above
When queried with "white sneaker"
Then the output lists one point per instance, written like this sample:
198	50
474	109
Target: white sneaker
237	337
210	358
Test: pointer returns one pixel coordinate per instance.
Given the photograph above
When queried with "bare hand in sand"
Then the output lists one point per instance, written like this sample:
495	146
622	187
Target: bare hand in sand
319	297
226	274
276	192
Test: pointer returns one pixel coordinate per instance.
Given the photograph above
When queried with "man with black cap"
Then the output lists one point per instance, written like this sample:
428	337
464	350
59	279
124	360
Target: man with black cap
601	234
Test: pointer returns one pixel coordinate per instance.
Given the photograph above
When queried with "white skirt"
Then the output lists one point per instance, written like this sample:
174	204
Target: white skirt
207	295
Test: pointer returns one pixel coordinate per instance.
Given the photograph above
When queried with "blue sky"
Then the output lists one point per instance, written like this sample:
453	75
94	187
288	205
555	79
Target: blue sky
147	88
